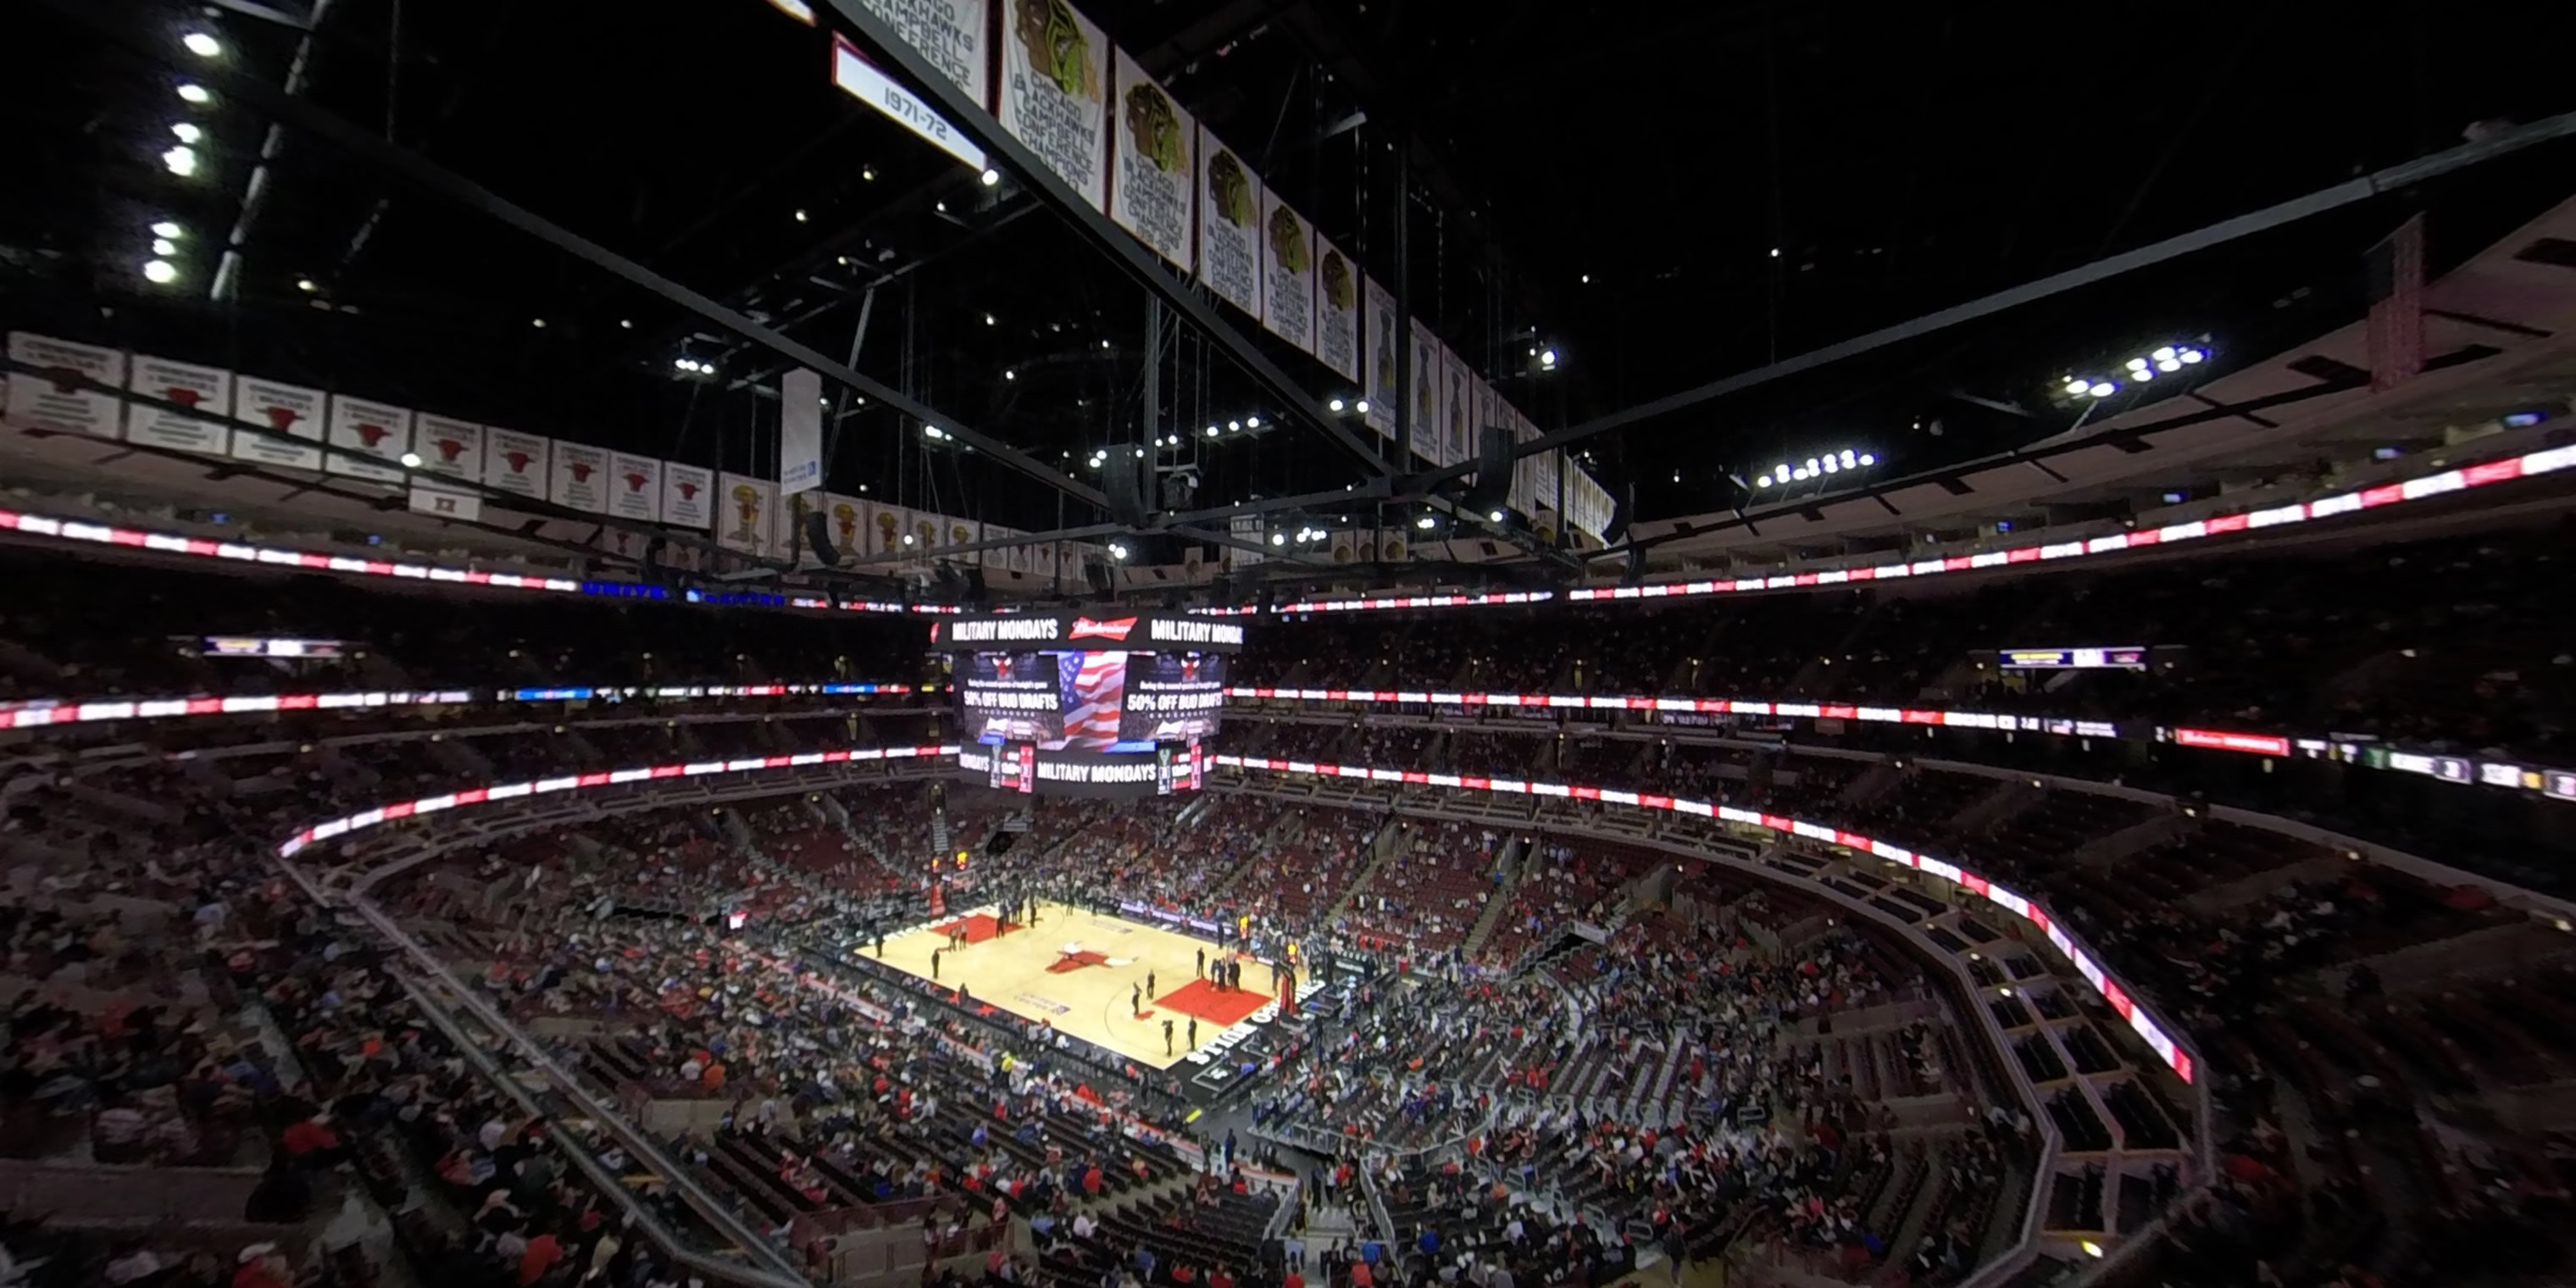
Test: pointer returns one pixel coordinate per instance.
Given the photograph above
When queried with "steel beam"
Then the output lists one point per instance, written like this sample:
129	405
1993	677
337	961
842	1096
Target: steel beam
454	188
899	59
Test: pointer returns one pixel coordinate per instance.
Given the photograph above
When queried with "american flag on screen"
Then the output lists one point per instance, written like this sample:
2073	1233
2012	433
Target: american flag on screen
1091	691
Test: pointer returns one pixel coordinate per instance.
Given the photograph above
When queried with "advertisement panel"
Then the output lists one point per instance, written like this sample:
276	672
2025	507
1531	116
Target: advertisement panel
1173	696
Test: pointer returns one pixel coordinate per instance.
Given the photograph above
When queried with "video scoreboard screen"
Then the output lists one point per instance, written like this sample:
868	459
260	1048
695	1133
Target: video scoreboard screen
1088	704
2119	657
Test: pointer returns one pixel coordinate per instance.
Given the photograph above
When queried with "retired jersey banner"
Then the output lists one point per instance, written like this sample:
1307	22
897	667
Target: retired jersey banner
952	34
1287	273
1428	385
746	514
449	447
516	462
579	478
187	384
38	403
369	439
1229	226
1055	92
292	410
1381	334
1337	310
688	495
635	487
1152	177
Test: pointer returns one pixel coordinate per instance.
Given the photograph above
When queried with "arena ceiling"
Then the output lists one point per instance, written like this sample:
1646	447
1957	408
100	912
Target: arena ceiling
1665	195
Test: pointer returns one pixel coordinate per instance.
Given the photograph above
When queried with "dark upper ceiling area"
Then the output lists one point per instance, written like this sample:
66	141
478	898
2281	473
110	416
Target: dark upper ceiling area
1665	194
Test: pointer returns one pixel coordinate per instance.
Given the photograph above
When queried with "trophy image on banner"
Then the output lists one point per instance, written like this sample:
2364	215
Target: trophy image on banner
746	509
845	524
889	531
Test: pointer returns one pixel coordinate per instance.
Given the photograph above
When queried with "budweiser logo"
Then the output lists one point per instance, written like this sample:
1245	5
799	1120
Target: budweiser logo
1115	628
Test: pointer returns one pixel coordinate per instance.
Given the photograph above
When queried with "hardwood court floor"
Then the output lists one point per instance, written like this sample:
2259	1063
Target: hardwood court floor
1014	972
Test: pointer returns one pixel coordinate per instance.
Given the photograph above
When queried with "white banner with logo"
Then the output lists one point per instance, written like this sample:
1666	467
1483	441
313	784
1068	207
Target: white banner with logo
516	462
951	34
746	514
369	437
579	477
1337	310
1055	92
430	499
292	410
1153	172
960	532
1381	333
688	495
180	382
800	432
845	521
448	446
884	528
38	403
635	487
1287	273
1229	225
1457	405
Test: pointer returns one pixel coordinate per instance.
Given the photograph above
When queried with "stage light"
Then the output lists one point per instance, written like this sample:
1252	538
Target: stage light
164	246
202	45
2139	364
160	271
2164	353
2103	389
1252	422
538	323
411	460
187	131
1496	516
1281	538
307	285
1008	374
1832	465
1869	458
1118	551
181	160
800	216
1361	406
868	172
1211	431
1775	252
2190	356
2076	387
625	324
990	178
1848	459
1426	523
1547	358
192	92
1235	425
170	229
1764	481
1334	404
1812	466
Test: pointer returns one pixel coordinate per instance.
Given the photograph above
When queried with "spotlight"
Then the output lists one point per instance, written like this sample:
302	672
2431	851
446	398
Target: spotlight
988	319
187	131
2168	364
1252	422
1140	453
1235	425
1547	358
1333	404
1780	471
160	271
1869	458
307	285
1496	516
1426	523
538	323
1361	406
2140	364
411	460
164	246
2190	356
868	172
800	216
991	178
2103	389
2075	387
907	538
1848	459
181	160
1211	431
1118	551
1832	465
170	229
2164	353
1812	467
1281	538
1009	374
192	92
202	45
1764	481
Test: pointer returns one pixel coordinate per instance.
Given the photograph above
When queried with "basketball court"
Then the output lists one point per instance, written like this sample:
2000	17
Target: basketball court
1079	970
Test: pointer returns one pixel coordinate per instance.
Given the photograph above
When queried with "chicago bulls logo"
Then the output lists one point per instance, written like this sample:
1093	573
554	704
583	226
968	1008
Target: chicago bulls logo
282	419
1189	670
1002	667
449	449
183	397
688	490
519	461
370	435
581	471
635	482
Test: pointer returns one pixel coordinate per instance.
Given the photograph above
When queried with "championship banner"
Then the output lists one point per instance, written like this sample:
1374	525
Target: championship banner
1055	92
885	525
1287	273
1524	468
288	409
951	34
38	403
579	478
1151	179
1229	225
1488	411
516	462
688	495
924	528
1427	387
846	519
800	432
635	487
998	556
789	527
178	382
1382	335
961	532
746	510
1457	404
1337	311
369	439
450	447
